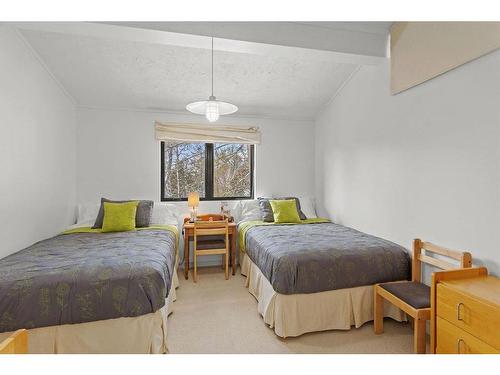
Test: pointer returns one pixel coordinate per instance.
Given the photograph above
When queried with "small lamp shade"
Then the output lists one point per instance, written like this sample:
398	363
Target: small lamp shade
193	199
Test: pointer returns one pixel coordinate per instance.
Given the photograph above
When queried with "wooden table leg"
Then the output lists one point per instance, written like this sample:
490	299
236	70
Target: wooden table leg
186	254
233	252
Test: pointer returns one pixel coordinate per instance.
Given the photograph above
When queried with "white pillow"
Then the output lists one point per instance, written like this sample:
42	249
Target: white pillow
307	207
165	214
248	210
87	212
236	211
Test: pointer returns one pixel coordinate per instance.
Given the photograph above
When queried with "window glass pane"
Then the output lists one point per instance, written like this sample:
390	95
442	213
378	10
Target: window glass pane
184	169
232	170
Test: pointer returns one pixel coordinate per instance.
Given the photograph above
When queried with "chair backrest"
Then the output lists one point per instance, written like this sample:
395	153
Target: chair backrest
209	217
17	343
420	249
211	228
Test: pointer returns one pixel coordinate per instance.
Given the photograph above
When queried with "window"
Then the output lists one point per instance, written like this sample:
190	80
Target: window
217	171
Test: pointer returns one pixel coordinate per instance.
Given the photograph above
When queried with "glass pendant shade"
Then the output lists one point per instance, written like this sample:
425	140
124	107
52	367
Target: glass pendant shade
212	112
211	108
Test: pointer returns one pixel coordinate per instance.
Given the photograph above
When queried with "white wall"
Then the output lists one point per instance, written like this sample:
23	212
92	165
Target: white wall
424	163
119	158
37	148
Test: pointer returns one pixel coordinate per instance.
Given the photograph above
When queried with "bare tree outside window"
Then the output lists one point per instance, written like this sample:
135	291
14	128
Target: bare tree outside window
184	169
213	170
232	170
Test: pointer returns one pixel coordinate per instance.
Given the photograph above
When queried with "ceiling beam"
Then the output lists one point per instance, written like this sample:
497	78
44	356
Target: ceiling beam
344	37
133	33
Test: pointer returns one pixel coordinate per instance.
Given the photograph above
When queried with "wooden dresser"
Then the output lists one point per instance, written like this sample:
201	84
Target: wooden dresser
465	312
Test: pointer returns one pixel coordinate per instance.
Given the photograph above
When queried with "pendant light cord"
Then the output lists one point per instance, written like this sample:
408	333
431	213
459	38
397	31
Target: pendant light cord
212	66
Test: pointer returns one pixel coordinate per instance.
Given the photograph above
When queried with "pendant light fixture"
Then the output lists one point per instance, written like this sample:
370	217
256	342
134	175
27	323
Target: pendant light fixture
212	108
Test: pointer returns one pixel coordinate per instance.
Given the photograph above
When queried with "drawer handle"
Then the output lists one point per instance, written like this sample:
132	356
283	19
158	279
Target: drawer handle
460	304
458	345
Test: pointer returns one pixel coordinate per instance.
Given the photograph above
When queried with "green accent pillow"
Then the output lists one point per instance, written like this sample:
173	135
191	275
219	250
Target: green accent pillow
285	211
119	217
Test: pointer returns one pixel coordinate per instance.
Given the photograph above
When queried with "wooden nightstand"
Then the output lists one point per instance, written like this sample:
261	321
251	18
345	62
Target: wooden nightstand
188	230
465	312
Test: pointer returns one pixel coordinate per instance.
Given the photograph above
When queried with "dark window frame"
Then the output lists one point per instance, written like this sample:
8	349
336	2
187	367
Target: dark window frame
209	175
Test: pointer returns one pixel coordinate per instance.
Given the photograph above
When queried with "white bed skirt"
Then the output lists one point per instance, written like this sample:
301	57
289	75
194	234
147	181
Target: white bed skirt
142	334
295	314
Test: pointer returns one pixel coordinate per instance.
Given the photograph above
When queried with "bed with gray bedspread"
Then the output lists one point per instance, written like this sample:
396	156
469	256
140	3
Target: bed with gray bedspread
310	258
83	277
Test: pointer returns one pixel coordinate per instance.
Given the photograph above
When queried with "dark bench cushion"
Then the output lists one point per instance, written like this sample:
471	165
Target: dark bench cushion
415	294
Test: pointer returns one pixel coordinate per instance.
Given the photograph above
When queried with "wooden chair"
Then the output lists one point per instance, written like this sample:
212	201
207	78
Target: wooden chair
214	217
208	241
413	297
17	343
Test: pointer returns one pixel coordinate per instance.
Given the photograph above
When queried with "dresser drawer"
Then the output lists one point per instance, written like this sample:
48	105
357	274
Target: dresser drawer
471	315
453	340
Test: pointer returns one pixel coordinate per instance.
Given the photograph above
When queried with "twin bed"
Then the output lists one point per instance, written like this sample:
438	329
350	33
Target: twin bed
317	275
84	291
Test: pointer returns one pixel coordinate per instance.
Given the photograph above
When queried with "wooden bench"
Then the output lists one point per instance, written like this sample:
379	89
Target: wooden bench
413	297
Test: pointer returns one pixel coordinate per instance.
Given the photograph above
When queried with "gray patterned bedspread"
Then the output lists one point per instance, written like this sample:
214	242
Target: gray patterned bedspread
83	277
310	258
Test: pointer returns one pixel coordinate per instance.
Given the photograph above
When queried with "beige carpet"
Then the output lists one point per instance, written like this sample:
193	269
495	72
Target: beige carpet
220	316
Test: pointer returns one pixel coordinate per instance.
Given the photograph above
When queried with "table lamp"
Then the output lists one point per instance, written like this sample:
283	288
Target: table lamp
193	202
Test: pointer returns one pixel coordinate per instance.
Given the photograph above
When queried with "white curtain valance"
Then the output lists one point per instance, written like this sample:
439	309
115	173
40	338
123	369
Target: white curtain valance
206	133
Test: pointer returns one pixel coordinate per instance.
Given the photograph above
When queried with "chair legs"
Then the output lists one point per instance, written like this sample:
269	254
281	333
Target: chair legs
419	336
195	275
378	312
227	265
419	316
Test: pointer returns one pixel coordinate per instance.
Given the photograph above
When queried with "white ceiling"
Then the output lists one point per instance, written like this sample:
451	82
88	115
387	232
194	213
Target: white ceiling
117	67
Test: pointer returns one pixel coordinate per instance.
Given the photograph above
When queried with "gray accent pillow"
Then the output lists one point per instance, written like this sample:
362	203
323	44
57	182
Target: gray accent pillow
267	211
142	216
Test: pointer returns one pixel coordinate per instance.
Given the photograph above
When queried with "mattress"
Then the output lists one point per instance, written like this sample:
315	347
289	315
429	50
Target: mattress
319	256
87	276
